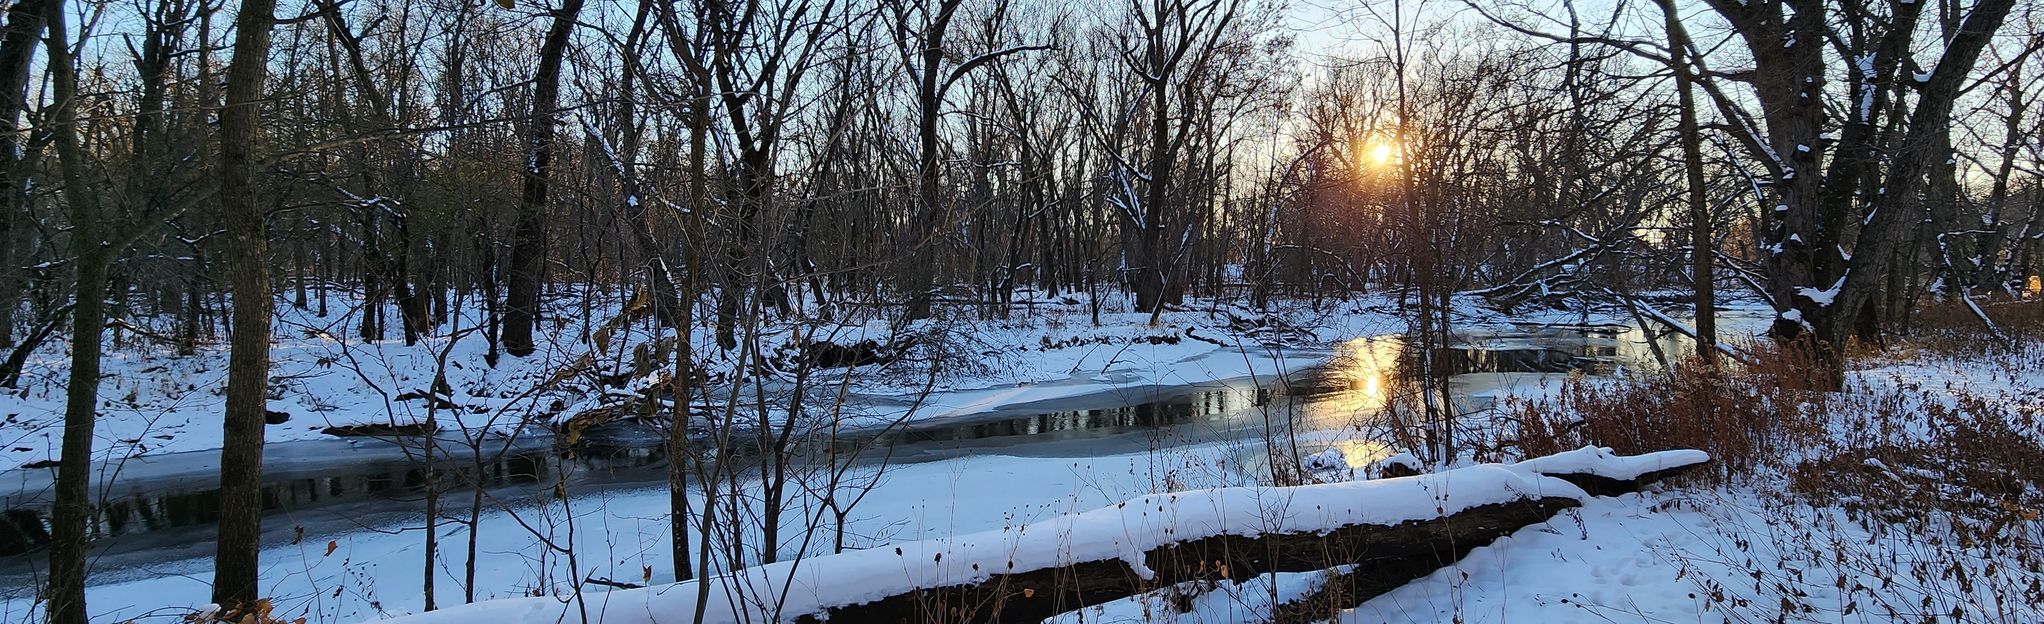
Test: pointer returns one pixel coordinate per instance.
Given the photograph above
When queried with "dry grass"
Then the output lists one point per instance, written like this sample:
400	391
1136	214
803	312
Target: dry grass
2015	315
1980	463
1952	328
1744	417
1928	511
258	613
1914	496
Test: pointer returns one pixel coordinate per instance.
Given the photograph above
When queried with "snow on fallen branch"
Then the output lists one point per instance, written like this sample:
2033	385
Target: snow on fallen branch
1409	525
1604	473
1993	329
1660	317
1597	470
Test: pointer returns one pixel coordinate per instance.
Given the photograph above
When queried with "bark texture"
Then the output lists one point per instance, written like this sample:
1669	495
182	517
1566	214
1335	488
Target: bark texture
248	363
528	233
71	511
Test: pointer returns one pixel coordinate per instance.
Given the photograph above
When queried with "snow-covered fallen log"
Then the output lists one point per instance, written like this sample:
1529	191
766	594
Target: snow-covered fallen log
1596	470
1603	473
1406	526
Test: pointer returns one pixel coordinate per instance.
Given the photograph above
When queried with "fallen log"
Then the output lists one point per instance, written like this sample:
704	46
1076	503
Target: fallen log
1601	472
1597	471
1406	550
1393	529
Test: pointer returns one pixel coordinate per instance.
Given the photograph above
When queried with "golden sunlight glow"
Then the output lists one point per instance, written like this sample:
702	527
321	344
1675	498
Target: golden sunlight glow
1361	453
1380	152
1364	369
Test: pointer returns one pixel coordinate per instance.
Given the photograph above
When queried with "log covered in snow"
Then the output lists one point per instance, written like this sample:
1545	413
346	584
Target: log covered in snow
1601	472
1400	528
1404	551
1597	470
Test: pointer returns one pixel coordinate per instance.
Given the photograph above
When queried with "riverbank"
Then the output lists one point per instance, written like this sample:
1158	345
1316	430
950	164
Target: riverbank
1914	495
1122	408
351	563
156	402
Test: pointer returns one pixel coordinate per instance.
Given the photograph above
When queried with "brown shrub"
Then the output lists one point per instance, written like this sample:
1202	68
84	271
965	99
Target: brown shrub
1742	415
1951	328
1927	512
1979	462
1953	315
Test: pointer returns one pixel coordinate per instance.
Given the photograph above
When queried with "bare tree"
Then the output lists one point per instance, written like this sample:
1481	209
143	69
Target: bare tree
1702	246
1881	155
93	258
529	232
919	31
235	564
17	53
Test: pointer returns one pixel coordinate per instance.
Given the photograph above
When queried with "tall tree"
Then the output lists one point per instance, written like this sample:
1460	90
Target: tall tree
235	564
17	53
1881	155
920	29
1701	248
529	230
71	512
691	49
761	54
1171	51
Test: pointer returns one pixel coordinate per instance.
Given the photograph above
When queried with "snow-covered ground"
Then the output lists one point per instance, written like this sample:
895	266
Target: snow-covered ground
1746	550
375	571
1124	531
1782	544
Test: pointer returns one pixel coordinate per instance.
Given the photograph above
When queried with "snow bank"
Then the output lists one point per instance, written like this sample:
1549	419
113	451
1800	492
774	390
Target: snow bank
1124	532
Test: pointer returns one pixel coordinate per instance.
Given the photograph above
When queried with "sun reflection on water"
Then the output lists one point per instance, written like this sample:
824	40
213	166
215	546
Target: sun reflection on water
1344	404
1361	453
1360	378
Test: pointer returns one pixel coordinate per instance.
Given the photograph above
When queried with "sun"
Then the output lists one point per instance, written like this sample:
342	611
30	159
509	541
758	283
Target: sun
1380	152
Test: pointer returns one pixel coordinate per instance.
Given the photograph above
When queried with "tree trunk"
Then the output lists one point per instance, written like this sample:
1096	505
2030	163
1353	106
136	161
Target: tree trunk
17	53
528	232
932	235
684	353
1149	258
1701	248
248	364
71	511
1407	550
1385	555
